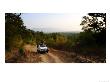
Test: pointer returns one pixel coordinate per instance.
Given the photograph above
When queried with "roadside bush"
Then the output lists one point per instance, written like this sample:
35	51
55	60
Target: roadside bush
21	51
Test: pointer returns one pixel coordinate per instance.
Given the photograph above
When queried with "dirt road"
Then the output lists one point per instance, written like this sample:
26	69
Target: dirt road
53	56
50	58
44	57
56	56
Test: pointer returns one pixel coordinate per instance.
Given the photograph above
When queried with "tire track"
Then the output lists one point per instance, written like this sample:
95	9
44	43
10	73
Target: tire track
55	58
49	58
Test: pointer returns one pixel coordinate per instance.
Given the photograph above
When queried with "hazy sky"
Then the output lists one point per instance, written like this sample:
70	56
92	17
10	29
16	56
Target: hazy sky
53	22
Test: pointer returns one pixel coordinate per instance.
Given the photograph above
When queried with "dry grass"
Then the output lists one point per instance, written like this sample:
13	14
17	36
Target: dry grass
29	56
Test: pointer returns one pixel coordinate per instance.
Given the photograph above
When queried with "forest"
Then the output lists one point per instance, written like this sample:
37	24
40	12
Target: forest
91	41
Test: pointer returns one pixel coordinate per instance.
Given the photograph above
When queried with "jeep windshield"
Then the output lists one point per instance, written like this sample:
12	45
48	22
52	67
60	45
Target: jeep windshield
42	45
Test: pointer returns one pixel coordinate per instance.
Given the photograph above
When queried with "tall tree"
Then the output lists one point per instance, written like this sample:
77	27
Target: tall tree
95	22
13	28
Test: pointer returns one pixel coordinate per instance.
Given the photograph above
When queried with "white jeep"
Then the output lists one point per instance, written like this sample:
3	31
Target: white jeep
42	48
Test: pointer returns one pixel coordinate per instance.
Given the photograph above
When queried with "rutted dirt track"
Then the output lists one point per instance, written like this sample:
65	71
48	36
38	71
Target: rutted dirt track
44	57
50	58
53	56
31	56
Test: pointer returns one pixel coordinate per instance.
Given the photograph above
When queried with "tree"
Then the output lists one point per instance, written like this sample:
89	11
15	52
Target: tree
13	28
95	22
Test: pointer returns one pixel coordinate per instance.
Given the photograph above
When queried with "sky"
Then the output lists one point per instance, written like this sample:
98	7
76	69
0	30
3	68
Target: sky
53	22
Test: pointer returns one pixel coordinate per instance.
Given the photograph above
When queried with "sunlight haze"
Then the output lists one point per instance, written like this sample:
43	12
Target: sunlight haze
52	22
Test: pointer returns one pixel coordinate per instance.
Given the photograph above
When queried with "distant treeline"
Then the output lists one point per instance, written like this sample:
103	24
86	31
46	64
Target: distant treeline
92	38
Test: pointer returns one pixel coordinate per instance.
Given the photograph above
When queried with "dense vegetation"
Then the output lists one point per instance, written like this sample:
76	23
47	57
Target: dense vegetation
17	35
91	41
94	35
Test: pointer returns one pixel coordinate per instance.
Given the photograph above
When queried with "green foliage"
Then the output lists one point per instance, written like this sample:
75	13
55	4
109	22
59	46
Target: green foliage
95	22
93	38
61	41
94	26
21	51
13	25
16	41
16	34
86	39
